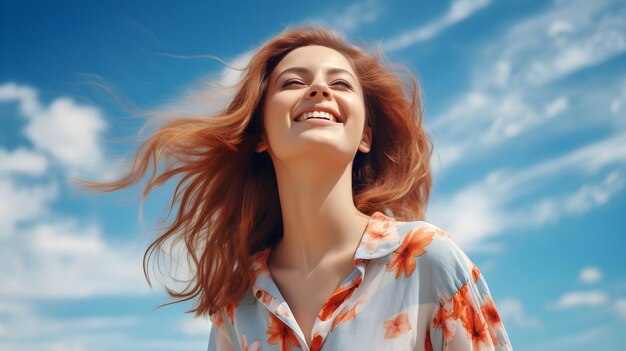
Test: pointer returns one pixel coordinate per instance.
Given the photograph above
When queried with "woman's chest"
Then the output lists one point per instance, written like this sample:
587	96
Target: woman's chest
307	296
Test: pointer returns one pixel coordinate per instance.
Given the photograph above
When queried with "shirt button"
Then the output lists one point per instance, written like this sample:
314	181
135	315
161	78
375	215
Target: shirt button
258	294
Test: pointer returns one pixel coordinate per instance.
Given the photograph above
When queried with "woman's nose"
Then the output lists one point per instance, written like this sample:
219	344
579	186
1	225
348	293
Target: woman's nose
319	91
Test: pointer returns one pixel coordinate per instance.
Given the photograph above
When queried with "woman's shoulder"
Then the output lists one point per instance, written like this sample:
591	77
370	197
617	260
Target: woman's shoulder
438	257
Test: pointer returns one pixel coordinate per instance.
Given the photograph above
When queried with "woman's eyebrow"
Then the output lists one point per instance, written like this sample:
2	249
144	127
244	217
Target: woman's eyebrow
305	70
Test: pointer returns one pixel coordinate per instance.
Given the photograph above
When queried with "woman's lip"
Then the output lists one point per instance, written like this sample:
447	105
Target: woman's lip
318	121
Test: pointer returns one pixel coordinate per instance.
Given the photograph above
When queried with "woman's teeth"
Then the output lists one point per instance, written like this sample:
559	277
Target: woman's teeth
316	114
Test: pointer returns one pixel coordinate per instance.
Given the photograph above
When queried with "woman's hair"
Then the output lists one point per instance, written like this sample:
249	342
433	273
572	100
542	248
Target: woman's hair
228	197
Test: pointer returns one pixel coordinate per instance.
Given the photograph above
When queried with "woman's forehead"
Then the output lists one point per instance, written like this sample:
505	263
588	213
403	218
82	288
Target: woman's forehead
313	58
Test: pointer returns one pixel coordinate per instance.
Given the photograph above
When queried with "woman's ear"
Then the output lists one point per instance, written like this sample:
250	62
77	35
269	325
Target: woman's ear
262	145
366	140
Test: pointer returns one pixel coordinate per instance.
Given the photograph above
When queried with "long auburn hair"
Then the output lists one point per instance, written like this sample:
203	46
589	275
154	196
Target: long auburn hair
228	199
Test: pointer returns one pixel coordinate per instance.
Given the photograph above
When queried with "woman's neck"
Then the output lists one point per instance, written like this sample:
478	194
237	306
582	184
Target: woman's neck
319	216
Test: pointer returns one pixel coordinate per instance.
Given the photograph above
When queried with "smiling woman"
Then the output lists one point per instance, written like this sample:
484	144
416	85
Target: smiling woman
302	210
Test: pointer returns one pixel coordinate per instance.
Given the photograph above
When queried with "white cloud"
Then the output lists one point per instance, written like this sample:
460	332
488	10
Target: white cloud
104	341
470	215
458	11
64	130
569	36
68	346
26	97
22	161
68	333
594	195
590	275
67	259
479	210
206	96
558	27
575	299
196	326
580	339
509	96
618	101
620	308
56	257
557	106
56	239
584	199
69	132
512	310
22	203
352	17
480	120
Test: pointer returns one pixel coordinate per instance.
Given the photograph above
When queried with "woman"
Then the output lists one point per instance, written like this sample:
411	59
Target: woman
282	204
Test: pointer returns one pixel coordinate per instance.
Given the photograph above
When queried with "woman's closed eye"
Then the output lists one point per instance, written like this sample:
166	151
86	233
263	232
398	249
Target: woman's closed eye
341	82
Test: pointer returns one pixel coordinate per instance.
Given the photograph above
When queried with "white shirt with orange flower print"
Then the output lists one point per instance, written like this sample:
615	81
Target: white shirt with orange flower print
412	288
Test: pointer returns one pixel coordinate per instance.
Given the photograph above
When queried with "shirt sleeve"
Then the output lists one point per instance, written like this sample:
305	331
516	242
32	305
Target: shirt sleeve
218	339
467	318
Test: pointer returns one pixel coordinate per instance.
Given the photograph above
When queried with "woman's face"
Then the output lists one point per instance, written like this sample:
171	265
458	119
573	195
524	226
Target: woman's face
314	78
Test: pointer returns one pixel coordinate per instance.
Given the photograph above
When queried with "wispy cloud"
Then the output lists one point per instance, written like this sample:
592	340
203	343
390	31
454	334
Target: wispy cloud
509	95
22	161
352	17
54	334
196	326
590	275
503	103
199	98
47	254
21	203
67	132
620	308
575	299
586	337
481	209
568	37
458	11
64	259
617	103
512	310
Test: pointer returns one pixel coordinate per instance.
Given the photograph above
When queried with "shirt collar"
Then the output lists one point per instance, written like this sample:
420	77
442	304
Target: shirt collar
380	238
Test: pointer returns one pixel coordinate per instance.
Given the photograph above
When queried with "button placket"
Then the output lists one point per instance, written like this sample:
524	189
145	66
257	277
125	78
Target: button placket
322	328
276	300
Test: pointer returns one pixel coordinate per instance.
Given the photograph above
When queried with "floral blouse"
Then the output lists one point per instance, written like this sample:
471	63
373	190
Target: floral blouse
412	288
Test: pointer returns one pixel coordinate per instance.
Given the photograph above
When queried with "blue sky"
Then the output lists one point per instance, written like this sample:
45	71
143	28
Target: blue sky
526	102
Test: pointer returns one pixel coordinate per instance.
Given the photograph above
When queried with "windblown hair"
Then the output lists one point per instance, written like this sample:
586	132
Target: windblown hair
228	196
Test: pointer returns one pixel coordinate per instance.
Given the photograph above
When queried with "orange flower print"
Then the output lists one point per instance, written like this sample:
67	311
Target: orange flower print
475	273
279	333
316	342
283	311
428	345
461	302
403	258
444	319
380	229
492	317
217	319
451	311
476	328
359	260
255	346
350	313
265	297
440	232
230	310
344	316
258	262
337	298
396	326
